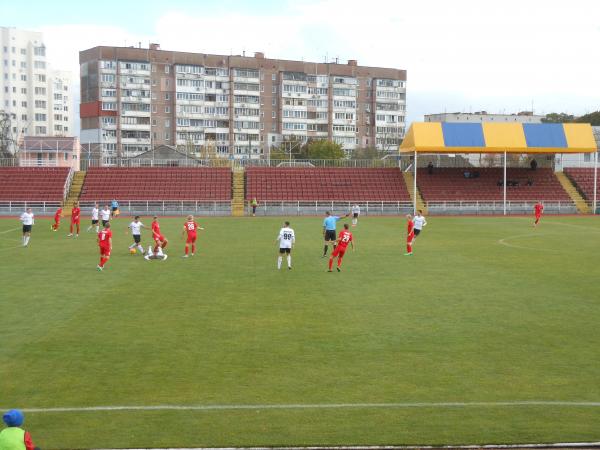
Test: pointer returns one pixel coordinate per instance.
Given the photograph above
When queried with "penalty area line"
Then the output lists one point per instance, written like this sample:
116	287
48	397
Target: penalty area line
299	406
9	231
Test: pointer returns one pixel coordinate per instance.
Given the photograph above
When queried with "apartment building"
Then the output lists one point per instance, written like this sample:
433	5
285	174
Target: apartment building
36	98
232	106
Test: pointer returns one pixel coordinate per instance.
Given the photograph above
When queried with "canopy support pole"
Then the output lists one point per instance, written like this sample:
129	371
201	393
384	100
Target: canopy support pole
415	186
595	181
504	184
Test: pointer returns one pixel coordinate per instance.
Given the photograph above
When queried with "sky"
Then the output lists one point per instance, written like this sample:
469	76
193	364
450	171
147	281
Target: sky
461	55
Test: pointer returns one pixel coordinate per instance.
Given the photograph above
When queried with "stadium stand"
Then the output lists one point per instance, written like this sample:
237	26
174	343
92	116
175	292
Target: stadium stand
33	184
157	183
447	184
311	184
584	181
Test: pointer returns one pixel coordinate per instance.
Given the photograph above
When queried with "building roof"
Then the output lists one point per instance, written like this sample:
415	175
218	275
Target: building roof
488	137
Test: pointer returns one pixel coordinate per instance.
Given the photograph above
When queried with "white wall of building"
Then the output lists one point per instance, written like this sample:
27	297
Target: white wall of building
28	86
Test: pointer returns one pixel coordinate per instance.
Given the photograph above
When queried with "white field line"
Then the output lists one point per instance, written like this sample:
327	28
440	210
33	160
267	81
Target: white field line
565	445
504	242
292	406
9	231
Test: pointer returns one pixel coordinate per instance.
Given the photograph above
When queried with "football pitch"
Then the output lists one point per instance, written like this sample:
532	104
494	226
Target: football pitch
489	333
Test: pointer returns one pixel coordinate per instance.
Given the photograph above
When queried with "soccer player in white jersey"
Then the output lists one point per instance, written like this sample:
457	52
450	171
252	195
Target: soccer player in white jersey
420	222
105	215
27	220
136	231
355	214
95	212
286	239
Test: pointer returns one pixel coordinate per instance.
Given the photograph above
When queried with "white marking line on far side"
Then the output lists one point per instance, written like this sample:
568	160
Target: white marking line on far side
9	231
504	242
67	409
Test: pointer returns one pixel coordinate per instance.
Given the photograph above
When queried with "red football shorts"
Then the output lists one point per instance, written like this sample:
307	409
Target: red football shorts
339	250
160	238
410	237
191	238
104	251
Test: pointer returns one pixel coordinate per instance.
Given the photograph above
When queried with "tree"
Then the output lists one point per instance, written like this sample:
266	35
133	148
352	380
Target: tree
592	118
7	142
558	118
368	153
325	150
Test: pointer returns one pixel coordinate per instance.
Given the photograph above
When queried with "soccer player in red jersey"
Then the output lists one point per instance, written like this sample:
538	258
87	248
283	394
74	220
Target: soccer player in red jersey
410	234
344	239
539	209
159	239
57	216
190	227
105	244
75	217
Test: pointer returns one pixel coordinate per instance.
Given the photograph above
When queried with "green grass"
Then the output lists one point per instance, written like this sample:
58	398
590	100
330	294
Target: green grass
466	319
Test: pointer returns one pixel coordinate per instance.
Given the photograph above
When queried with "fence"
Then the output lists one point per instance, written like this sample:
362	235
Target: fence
39	208
233	163
302	208
170	207
497	207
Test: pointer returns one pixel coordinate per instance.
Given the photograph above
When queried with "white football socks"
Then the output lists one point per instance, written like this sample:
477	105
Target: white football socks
289	260
279	259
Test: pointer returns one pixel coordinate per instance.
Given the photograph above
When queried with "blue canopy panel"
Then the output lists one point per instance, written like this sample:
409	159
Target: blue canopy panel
545	135
463	134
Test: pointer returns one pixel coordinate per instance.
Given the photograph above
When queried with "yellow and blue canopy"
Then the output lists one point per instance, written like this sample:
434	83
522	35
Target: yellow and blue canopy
489	137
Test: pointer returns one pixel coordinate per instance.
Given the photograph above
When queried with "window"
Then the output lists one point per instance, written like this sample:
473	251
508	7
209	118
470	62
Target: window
167	136
246	73
38	51
40	104
167	69
109	106
273	101
23	77
273	115
167	109
23	51
108	78
294	88
109	92
274	77
109	120
23	65
40	117
246	86
40	78
167	123
154	109
153	68
274	89
167	96
39	64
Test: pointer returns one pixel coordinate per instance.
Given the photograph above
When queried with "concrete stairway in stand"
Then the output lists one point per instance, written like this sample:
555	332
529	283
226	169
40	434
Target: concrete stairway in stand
238	190
409	181
580	203
74	192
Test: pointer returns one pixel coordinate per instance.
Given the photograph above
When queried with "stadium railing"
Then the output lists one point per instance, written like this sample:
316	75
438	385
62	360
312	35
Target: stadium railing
304	208
497	207
39	208
233	163
170	207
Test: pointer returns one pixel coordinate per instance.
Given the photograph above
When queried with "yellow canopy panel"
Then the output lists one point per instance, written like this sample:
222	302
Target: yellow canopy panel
489	137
